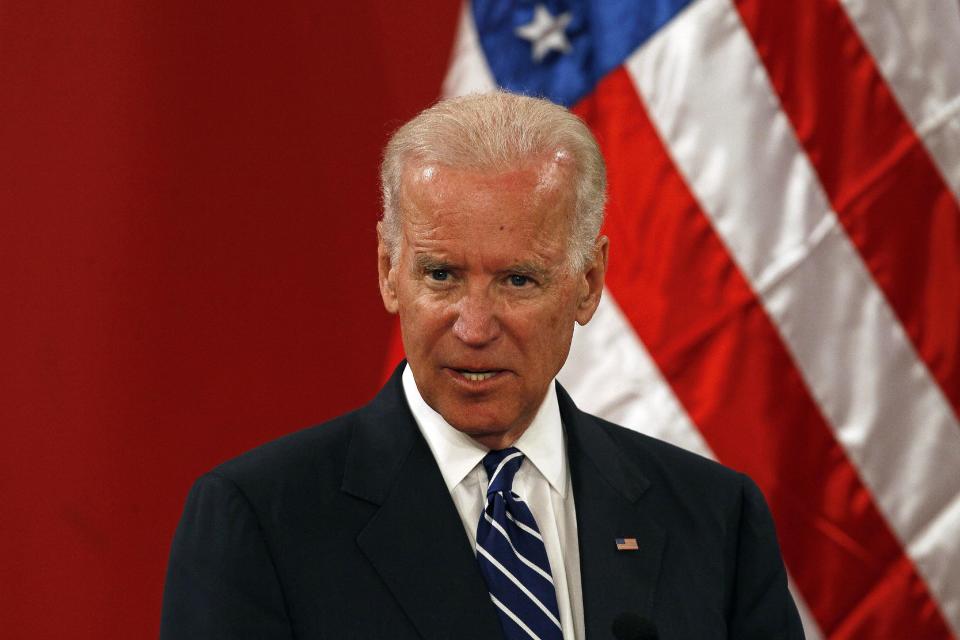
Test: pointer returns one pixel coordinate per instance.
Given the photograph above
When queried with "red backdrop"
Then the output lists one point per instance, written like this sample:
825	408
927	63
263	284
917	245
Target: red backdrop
188	194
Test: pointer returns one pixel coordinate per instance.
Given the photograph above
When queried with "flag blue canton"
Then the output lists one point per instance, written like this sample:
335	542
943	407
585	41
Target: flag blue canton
601	36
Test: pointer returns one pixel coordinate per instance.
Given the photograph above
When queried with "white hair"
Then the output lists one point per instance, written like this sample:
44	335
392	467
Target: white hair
498	131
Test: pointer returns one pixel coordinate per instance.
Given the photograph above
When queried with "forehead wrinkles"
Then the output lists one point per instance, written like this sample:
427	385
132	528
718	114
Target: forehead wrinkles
542	173
536	194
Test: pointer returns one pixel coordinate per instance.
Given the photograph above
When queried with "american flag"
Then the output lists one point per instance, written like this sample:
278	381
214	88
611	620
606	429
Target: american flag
627	544
784	284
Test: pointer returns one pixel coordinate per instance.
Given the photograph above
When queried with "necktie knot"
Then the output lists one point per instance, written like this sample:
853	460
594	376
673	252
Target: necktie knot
501	466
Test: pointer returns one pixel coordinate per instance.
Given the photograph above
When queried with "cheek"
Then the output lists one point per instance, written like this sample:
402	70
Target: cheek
423	321
547	335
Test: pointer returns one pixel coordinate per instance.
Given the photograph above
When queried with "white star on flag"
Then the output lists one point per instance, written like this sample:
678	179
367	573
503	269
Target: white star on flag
546	32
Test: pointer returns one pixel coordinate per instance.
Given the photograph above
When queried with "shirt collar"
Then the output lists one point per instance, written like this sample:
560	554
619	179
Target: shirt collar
457	453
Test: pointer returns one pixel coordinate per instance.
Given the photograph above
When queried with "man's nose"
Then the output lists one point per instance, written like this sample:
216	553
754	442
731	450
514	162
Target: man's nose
477	323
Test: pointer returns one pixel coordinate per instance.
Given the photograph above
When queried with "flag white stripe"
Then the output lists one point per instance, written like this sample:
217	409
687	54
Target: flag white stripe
469	71
811	630
627	389
708	95
917	47
496	525
502	569
514	617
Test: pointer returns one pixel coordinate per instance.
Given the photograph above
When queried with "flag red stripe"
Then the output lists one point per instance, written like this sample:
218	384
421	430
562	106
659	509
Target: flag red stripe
885	188
725	361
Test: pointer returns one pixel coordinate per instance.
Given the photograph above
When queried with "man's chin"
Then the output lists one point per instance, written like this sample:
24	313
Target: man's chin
490	434
498	440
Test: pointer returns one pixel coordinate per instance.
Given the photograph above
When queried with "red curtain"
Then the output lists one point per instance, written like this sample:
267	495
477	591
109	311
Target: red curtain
188	194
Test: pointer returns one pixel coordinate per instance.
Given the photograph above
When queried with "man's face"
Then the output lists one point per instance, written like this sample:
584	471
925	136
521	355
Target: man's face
486	297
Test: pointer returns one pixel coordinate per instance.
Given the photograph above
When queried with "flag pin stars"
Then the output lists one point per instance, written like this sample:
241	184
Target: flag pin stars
627	544
546	32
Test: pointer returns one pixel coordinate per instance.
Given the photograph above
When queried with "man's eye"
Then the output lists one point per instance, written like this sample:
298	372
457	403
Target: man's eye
439	274
518	280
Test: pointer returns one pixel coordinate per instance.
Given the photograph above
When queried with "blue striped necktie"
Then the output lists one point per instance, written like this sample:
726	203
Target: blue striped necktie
512	557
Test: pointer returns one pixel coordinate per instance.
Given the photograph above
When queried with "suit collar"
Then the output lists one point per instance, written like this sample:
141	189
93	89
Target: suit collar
415	540
609	493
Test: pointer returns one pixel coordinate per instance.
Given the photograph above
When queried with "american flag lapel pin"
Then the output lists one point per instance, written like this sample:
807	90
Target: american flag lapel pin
627	544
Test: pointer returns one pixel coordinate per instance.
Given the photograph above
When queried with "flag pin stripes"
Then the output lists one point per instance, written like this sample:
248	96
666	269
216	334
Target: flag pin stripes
627	544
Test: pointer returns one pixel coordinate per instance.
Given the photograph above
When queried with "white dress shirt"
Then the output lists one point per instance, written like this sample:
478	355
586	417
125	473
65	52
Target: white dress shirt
543	481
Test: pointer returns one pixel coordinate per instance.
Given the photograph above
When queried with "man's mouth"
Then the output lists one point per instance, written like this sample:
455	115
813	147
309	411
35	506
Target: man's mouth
476	376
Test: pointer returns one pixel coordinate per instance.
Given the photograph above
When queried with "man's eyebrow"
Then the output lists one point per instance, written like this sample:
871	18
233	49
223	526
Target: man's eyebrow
527	268
426	262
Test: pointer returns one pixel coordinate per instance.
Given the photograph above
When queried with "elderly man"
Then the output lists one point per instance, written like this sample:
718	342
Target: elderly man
470	498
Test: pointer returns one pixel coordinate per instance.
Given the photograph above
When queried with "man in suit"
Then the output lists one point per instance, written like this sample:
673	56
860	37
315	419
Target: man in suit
471	498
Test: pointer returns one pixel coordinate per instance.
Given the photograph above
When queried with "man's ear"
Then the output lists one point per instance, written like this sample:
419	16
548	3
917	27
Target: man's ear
592	283
387	273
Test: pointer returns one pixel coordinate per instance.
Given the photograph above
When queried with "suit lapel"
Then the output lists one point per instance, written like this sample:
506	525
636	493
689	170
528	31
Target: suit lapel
608	493
415	541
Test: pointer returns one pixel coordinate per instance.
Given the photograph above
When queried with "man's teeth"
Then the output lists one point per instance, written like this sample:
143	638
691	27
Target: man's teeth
477	376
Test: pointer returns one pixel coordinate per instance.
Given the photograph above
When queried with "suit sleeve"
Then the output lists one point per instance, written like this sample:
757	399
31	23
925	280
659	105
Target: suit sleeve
762	607
221	579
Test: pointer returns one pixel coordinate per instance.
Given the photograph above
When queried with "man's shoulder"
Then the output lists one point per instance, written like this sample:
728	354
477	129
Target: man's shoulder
309	459
670	467
670	454
306	446
324	446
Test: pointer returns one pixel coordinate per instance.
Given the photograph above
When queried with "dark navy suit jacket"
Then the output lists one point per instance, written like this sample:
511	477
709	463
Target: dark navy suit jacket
346	530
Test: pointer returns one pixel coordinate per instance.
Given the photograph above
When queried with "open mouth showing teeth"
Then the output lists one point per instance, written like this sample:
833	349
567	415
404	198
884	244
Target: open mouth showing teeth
477	376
